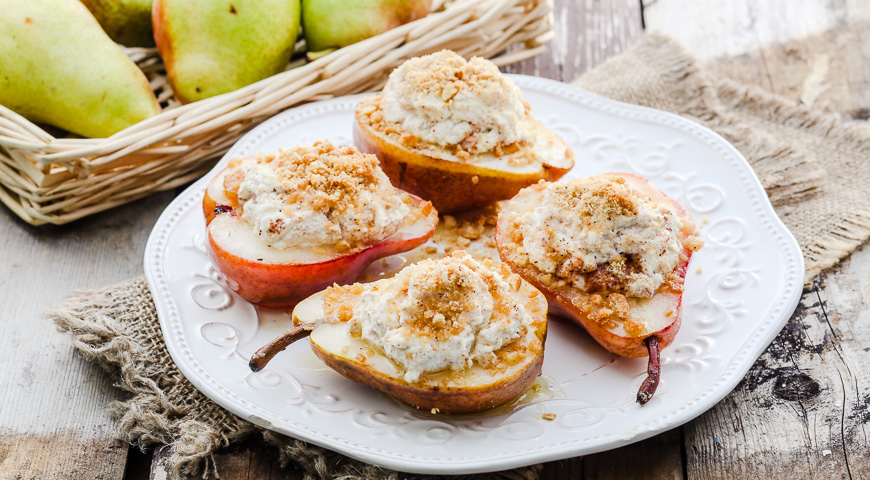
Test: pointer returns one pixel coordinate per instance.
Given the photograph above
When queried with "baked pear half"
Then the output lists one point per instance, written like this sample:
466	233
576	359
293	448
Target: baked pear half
457	133
278	235
447	336
609	252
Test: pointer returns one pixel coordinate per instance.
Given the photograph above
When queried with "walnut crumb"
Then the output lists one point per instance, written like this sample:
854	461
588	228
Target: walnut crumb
548	416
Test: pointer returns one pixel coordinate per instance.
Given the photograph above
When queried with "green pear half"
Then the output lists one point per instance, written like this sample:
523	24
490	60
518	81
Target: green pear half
212	47
59	67
471	390
127	22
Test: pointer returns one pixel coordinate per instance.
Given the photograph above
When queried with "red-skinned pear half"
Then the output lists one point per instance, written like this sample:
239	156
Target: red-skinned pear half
655	320
274	277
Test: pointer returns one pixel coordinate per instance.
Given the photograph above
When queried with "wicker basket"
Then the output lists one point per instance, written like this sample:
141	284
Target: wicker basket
47	179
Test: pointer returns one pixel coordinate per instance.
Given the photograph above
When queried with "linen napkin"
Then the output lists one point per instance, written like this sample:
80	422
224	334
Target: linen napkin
808	161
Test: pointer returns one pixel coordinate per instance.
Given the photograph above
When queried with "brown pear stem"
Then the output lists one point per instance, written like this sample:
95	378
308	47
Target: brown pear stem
262	356
653	371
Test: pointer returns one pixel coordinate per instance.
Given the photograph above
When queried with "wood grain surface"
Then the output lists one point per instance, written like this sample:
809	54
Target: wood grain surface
54	421
802	411
814	51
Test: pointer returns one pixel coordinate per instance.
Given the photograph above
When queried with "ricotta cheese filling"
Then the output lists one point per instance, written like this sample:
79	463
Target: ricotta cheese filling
447	101
438	315
315	195
602	225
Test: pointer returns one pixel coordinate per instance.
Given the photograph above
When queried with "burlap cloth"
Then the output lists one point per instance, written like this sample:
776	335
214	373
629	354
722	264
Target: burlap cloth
809	162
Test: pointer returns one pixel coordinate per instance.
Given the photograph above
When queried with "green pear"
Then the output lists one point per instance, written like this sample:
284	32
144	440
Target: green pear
127	22
59	67
329	24
212	47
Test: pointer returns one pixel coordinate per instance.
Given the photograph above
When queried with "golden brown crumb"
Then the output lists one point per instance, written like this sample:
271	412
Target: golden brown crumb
342	246
619	304
693	243
548	416
633	328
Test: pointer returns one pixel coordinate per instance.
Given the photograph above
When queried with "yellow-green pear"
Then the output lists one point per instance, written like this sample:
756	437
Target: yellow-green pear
127	22
212	47
57	66
329	24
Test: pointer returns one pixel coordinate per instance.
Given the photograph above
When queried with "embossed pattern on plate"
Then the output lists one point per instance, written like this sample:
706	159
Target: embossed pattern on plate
741	289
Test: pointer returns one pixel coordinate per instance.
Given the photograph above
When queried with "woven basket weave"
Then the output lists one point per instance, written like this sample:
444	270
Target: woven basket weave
47	179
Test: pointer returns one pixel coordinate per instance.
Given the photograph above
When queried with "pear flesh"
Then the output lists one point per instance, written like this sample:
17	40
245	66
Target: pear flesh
59	67
212	47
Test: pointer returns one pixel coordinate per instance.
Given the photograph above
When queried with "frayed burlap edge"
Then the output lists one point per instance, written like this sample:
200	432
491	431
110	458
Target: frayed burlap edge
809	162
112	326
833	222
656	72
117	327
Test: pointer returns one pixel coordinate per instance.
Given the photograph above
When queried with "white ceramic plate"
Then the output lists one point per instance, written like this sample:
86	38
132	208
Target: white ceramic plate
741	289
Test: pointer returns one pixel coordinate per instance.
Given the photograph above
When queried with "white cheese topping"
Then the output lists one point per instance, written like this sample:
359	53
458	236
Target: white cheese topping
447	101
319	195
605	223
437	315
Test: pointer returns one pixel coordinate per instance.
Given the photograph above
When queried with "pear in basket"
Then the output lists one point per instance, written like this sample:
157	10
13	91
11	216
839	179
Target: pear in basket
331	24
127	22
212	47
59	67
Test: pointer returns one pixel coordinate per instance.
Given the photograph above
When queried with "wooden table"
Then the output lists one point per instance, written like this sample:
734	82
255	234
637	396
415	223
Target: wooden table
803	411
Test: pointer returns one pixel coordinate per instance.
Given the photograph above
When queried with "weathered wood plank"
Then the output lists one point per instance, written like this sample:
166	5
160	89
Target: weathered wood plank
251	459
846	303
782	420
587	34
53	418
657	458
814	51
67	454
727	28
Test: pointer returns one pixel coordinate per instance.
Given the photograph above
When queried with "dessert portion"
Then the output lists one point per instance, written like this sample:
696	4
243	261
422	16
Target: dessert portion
451	336
610	252
286	224
457	133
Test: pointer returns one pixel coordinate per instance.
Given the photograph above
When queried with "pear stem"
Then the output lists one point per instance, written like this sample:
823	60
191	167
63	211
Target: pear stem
262	356
653	370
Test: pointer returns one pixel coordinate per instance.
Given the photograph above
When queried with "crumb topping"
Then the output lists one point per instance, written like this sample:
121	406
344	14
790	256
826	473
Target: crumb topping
445	100
438	315
318	195
602	234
